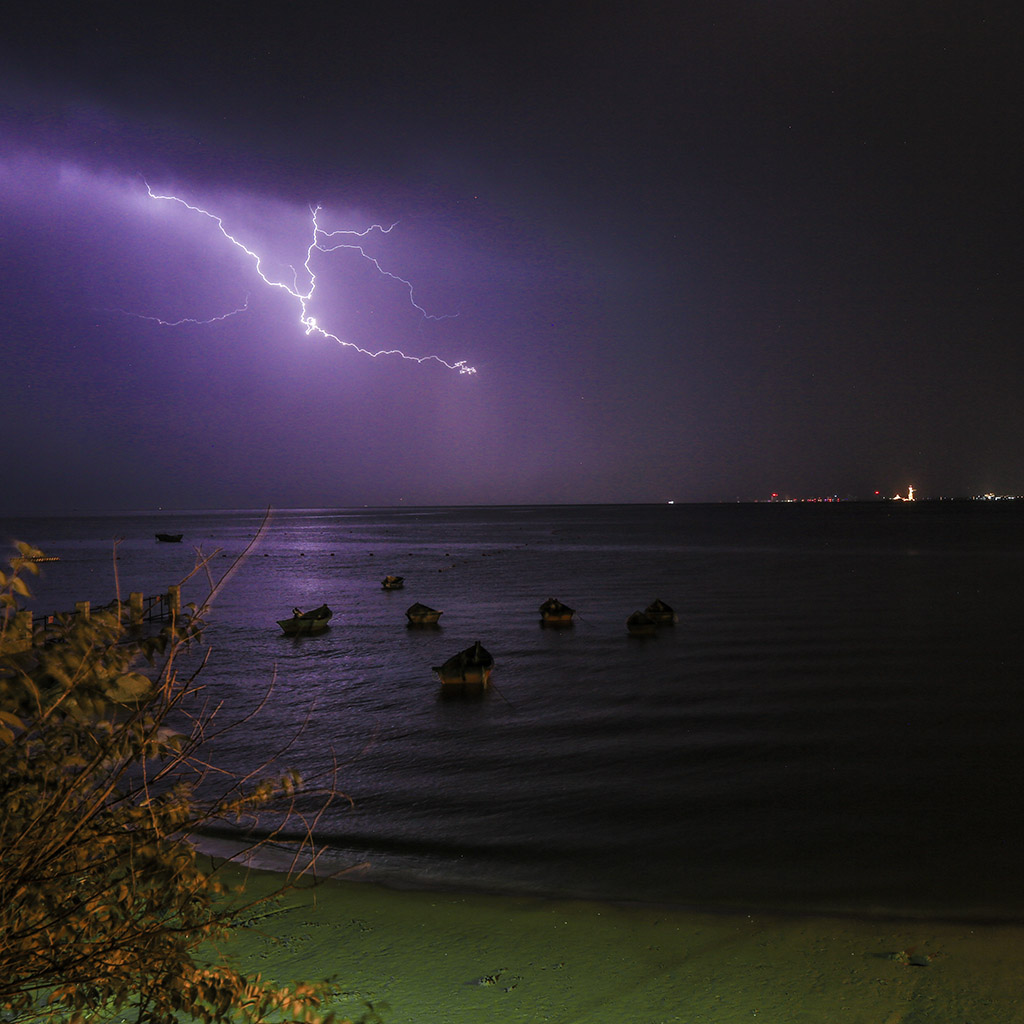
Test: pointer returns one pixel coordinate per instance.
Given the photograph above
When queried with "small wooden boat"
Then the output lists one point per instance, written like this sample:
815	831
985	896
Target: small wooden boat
641	624
471	667
303	623
170	538
393	582
554	613
662	613
422	615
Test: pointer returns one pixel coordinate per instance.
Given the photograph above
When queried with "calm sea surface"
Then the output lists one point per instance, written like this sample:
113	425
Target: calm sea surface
834	722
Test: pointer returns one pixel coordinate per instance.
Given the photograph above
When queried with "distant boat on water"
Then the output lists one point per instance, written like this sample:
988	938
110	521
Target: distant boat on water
170	538
422	615
471	667
303	623
393	582
641	624
554	613
663	614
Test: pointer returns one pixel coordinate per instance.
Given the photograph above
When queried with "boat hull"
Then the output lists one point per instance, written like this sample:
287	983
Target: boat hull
663	614
641	624
306	623
554	613
421	615
292	628
469	668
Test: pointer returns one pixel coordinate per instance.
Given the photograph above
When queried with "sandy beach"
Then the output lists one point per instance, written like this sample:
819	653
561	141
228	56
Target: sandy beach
445	958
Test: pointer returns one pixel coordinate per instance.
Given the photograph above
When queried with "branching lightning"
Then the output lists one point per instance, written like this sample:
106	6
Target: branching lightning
184	319
322	241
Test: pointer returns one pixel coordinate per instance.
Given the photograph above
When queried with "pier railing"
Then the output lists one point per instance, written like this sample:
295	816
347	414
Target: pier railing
26	629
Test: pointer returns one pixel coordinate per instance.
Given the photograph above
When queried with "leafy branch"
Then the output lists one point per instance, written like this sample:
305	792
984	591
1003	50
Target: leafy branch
106	905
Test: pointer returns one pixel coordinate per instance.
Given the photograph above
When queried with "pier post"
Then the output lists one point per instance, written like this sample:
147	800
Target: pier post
135	609
174	600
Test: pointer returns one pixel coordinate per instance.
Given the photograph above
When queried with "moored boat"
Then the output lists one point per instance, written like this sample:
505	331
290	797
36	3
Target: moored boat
393	582
303	623
554	613
663	614
641	624
170	538
471	667
422	615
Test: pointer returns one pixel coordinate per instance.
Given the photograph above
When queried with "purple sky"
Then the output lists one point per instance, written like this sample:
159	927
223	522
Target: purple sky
695	252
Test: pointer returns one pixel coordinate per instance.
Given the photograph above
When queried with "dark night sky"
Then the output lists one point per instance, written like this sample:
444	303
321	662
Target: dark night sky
697	252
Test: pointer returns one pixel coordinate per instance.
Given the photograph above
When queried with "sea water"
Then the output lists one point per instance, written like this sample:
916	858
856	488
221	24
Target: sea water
834	722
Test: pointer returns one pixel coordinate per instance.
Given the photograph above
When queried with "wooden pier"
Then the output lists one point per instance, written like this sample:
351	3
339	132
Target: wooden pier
25	629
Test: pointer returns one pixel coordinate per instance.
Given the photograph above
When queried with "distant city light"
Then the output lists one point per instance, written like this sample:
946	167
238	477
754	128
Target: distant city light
911	495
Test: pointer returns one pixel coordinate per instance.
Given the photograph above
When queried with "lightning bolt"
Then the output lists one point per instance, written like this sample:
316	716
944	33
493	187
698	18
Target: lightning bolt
184	319
322	241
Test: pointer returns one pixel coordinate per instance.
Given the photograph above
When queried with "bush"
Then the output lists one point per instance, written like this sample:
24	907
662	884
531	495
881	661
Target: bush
105	905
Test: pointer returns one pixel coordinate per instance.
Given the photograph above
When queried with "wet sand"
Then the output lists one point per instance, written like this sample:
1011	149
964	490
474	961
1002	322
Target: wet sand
445	958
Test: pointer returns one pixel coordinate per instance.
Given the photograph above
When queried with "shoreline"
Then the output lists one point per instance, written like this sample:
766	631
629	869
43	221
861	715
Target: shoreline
275	860
422	956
